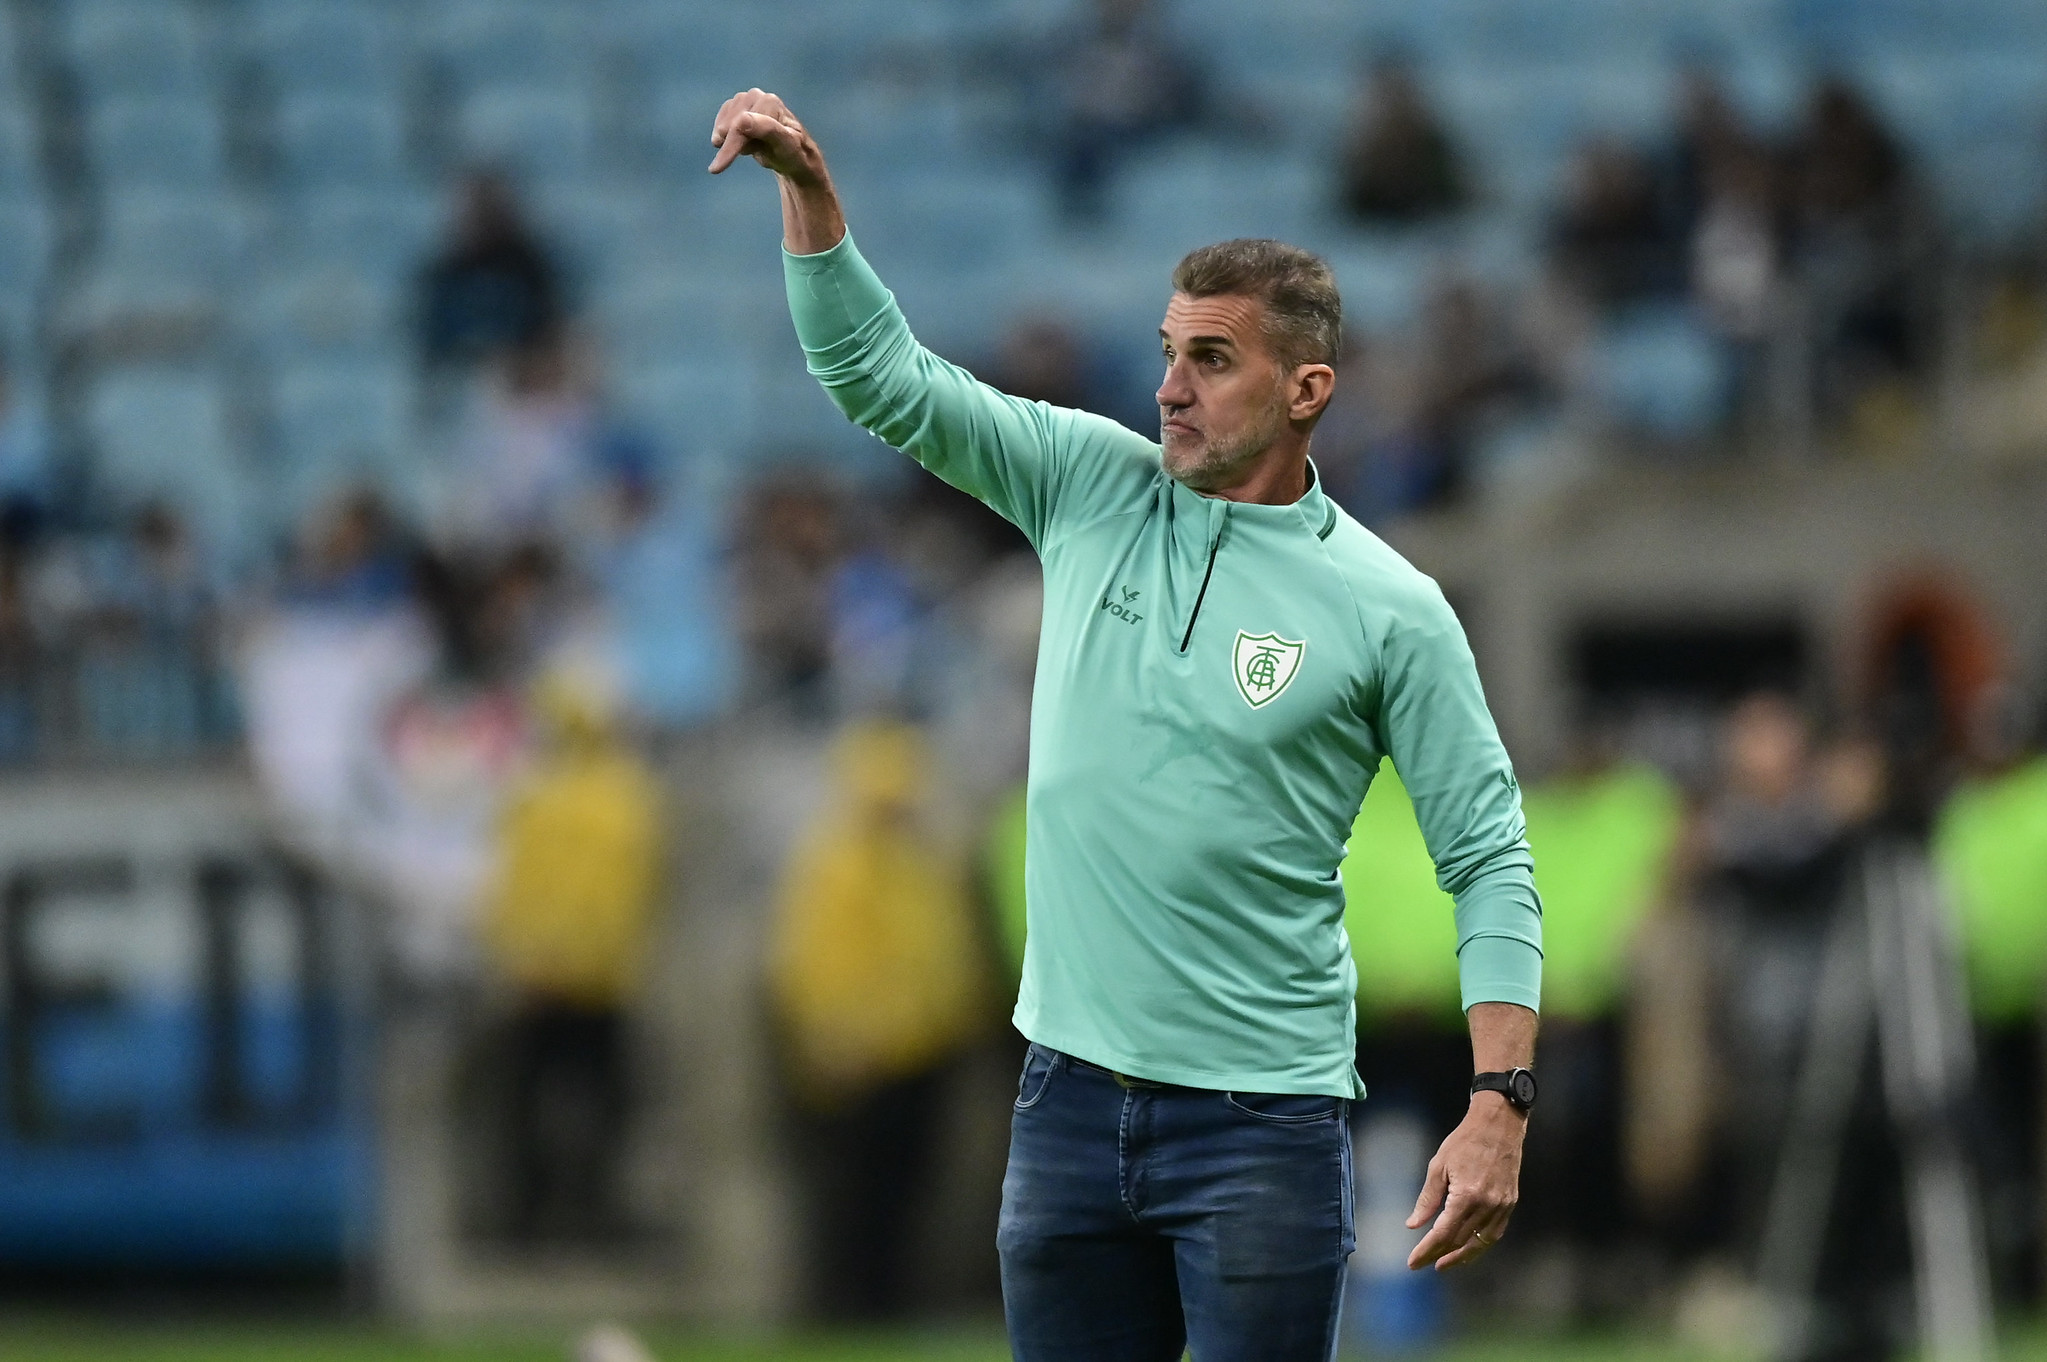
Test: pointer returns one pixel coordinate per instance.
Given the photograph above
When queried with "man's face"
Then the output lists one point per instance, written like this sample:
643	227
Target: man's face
1225	399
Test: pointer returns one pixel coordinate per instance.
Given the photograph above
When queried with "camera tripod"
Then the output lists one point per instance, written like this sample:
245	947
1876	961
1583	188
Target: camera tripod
1889	967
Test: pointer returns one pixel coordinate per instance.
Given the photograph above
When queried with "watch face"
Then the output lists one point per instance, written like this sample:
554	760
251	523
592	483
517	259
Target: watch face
1521	1087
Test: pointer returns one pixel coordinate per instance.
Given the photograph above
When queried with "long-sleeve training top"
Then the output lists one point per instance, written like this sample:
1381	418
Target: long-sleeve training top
1217	683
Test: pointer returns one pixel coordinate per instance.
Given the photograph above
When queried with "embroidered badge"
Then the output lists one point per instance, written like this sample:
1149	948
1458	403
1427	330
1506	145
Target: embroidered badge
1265	665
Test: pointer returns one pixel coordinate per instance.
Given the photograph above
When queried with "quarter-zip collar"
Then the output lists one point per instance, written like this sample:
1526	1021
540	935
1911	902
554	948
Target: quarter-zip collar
1314	513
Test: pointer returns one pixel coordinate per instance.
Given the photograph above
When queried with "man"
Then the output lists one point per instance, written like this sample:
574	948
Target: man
1225	658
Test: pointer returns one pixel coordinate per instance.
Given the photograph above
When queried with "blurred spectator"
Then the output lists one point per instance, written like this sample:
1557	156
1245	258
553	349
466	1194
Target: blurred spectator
1122	82
667	601
1042	360
878	624
148	676
877	981
1411	415
1610	242
1847	169
529	454
1734	247
1709	130
788	549
493	286
1724	201
566	926
1855	235
25	472
1399	165
1773	858
353	557
320	666
447	749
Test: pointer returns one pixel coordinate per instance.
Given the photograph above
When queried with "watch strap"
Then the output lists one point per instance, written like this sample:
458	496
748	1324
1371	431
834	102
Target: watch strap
1516	1085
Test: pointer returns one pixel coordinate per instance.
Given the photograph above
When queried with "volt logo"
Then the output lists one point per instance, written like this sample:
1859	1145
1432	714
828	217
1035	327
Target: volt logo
1123	609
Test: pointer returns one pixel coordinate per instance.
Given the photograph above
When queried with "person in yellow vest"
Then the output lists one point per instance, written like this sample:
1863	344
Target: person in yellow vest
565	927
877	980
1606	831
1412	1044
1990	847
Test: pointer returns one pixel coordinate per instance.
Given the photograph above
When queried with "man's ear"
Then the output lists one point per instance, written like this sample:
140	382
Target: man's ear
1311	388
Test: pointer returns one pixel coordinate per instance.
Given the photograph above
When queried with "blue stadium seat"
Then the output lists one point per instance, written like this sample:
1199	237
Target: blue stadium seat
157	143
699	409
20	160
1658	371
650	317
300	307
509	43
325	46
134	47
163	252
341	140
542	131
1382	279
337	418
384	234
164	433
25	241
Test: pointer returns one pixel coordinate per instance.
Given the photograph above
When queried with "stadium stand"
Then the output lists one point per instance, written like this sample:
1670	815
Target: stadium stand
367	106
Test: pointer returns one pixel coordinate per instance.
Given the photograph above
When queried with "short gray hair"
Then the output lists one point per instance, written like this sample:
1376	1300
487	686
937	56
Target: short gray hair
1303	311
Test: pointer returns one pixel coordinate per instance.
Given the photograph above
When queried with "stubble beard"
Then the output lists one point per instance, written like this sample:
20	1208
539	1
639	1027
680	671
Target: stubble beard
1216	464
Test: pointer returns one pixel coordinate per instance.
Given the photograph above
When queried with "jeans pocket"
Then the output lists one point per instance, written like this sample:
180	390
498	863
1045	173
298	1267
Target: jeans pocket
1037	1075
1285	1108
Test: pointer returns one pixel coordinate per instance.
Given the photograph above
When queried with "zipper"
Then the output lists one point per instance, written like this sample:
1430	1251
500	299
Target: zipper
1214	547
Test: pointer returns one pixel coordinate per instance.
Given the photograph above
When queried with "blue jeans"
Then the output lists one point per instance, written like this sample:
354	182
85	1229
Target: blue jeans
1140	1219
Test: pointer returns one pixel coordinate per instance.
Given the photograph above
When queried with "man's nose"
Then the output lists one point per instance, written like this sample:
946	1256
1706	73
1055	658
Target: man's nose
1175	390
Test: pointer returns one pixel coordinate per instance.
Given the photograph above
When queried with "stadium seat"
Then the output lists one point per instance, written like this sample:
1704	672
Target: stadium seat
162	253
544	131
1658	371
157	143
508	43
20	160
163	433
325	47
341	140
25	241
134	48
385	234
650	317
341	419
316	307
701	410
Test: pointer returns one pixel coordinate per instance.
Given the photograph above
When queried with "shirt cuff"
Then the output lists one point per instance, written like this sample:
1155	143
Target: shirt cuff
832	294
1500	969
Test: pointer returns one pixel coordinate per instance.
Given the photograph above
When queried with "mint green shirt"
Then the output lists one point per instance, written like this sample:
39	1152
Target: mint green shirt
1217	683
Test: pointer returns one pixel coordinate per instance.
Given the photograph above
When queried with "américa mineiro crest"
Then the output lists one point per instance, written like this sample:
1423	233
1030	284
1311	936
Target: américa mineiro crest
1265	665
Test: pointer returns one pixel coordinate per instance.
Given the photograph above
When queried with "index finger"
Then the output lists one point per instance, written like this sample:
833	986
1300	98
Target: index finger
1451	1229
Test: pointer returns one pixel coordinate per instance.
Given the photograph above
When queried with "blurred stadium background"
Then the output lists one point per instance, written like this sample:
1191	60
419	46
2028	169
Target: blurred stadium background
508	803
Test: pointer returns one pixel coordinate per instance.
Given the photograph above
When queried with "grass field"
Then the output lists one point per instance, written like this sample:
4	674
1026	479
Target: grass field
74	1340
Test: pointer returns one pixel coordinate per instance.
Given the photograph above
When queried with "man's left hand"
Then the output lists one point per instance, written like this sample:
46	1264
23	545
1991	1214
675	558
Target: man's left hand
1472	1186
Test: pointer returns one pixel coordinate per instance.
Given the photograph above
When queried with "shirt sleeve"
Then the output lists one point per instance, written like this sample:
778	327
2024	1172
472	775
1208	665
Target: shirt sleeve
1027	460
1443	742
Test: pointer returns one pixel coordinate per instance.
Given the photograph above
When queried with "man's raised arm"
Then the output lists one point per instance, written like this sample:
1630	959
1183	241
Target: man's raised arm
1025	459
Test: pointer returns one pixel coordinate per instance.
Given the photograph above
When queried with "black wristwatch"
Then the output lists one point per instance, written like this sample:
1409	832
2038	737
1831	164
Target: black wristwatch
1516	1085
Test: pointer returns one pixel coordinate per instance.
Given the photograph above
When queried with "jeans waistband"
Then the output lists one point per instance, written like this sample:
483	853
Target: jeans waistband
1123	1080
